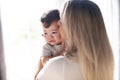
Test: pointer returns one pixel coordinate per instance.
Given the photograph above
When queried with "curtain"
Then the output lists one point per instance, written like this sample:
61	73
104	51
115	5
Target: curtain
2	62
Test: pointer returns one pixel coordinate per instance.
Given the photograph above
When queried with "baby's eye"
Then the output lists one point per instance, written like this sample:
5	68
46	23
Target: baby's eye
54	32
45	33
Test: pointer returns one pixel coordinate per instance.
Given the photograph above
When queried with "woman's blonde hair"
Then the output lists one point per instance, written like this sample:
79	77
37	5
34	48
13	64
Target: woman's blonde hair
86	34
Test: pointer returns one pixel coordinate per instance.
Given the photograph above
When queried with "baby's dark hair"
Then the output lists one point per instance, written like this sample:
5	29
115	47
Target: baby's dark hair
49	17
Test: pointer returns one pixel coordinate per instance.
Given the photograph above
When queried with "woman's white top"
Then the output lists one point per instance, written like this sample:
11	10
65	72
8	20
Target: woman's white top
60	68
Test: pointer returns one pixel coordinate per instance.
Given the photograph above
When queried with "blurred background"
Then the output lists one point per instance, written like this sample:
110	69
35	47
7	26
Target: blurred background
22	39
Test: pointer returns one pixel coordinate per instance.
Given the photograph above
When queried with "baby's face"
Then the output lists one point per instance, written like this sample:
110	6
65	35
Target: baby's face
52	34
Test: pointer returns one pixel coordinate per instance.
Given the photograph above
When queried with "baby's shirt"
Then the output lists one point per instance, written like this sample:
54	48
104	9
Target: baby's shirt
51	51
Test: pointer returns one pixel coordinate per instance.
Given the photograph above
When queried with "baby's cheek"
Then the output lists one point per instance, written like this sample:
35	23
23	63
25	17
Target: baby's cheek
59	37
46	39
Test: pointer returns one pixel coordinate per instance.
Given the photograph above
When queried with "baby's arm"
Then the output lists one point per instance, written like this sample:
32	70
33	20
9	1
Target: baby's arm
40	66
44	59
42	62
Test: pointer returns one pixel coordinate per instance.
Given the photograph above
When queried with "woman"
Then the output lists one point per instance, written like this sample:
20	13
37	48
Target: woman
89	55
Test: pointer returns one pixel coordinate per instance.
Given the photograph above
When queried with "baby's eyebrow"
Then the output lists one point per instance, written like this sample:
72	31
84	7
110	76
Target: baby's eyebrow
55	30
44	31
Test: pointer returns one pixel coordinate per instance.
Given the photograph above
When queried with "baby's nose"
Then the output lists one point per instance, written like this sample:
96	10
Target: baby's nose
49	36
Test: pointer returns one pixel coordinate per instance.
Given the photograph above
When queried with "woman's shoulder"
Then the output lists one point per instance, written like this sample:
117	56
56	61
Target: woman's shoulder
53	66
57	60
59	65
55	63
61	61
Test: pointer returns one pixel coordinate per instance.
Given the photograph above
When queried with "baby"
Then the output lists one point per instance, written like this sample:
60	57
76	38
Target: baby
54	46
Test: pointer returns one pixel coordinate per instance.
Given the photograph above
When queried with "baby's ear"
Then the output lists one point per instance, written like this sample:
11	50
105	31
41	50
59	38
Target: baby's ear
59	23
43	35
